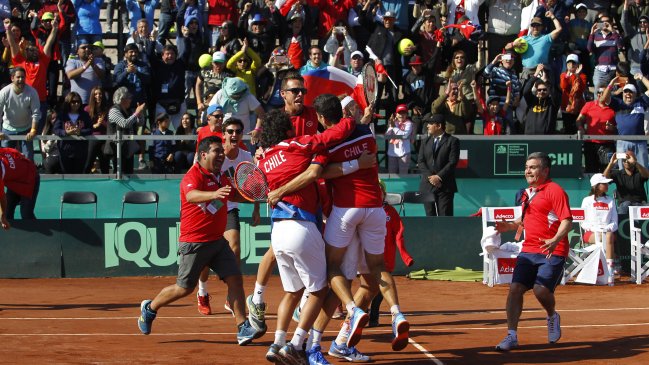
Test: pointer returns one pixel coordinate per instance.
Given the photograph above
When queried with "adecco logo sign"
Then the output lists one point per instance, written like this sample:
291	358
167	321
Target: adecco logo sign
578	214
503	213
506	265
644	212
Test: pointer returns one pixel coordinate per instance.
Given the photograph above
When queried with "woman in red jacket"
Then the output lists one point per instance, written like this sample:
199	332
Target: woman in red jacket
573	84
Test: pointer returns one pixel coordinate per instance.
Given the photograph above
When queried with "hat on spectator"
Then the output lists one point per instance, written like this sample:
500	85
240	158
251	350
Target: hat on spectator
493	98
572	58
213	108
434	118
536	20
357	53
189	19
389	14
415	60
258	18
581	5
99	44
218	56
402	108
292	15
161	116
47	16
630	87
599	179
643	17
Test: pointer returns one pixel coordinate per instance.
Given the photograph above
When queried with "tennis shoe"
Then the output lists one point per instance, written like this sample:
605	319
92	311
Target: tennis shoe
316	357
228	307
510	342
400	328
350	354
338	313
357	322
289	355
256	316
246	333
272	354
204	304
554	328
146	317
296	314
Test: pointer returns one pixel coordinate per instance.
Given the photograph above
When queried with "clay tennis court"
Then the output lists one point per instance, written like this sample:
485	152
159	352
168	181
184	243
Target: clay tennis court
83	321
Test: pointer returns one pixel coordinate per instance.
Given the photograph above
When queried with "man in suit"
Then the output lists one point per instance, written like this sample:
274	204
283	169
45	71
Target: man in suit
438	156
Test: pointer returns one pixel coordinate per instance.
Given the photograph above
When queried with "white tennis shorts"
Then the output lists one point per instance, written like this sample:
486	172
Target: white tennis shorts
300	253
354	260
369	223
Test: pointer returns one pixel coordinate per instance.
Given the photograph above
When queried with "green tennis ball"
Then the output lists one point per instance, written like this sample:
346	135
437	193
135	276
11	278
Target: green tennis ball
522	45
205	60
403	45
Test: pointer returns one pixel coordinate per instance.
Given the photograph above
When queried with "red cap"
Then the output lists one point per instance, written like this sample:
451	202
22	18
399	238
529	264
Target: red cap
416	60
402	108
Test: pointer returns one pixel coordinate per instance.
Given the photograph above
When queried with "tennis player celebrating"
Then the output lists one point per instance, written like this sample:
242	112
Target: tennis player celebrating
297	244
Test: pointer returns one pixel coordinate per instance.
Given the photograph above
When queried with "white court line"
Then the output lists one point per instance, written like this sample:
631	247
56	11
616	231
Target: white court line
425	352
419	329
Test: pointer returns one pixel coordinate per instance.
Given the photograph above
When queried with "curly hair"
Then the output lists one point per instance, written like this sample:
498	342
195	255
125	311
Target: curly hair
329	107
276	127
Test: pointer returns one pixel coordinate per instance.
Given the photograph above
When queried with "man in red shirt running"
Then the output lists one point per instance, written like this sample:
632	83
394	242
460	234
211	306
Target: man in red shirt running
547	220
22	180
204	194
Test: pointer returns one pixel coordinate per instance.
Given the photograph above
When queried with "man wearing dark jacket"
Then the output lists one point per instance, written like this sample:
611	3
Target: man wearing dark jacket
541	113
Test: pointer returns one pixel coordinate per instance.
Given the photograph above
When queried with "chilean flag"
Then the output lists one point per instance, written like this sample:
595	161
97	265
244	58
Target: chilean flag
332	80
463	162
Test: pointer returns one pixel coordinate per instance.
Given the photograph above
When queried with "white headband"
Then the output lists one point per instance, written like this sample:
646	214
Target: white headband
348	99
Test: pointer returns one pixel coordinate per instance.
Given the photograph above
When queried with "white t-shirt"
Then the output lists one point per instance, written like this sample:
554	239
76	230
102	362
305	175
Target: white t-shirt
244	110
600	214
228	170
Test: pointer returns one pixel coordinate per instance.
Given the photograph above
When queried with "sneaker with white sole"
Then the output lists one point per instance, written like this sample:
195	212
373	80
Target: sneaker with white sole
400	328
256	316
510	342
338	313
272	354
357	322
350	354
290	355
246	333
145	321
316	357
554	328
204	304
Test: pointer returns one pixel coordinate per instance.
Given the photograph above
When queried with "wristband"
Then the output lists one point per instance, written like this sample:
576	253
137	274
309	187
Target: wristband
610	87
350	166
258	129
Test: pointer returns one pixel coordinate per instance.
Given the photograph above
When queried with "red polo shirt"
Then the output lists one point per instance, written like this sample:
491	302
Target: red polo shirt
17	173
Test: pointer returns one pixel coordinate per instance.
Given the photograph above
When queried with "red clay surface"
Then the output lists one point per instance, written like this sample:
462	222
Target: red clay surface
83	321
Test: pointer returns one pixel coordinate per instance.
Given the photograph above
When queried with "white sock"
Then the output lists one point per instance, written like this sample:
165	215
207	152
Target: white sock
395	310
298	338
342	334
316	338
309	339
280	337
512	333
202	288
258	294
350	307
305	297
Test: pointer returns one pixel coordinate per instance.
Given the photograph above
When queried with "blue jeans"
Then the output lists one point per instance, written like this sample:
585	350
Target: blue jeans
638	147
601	79
165	24
25	147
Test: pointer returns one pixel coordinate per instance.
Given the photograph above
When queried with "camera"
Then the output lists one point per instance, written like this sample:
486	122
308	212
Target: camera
340	30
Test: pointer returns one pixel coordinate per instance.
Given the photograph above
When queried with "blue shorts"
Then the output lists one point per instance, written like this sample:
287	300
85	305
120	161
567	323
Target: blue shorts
534	268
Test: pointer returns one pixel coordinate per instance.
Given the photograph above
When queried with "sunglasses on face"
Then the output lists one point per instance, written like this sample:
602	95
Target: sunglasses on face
234	131
297	90
627	92
242	60
542	90
535	25
218	116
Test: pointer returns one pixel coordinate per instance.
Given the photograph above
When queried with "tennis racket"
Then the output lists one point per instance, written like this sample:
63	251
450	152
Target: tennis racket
251	183
370	82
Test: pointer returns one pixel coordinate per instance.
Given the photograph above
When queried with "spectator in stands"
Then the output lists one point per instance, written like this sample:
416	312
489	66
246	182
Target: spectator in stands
605	43
97	109
98	51
168	85
329	13
599	119
21	113
35	62
146	41
123	117
297	41
73	121
503	23
85	72
141	9
629	181
191	9
314	62
360	20
578	31
167	18
458	71
271	76
50	147
340	46
238	102
493	115
261	35
133	73
538	51
383	42
638	36
499	72
459	8
356	63
220	12
184	155
17	36
22	12
635	9
600	216
88	28
210	79
227	42
438	156
120	6
419	89
573	85
41	31
244	65
399	125
629	117
456	109
191	46
427	38
161	158
542	105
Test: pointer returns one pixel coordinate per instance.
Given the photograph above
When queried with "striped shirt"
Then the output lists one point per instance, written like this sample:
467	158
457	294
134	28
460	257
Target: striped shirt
605	48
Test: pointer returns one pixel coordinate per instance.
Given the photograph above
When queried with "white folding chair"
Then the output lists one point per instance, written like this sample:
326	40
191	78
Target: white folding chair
498	265
394	199
639	250
580	256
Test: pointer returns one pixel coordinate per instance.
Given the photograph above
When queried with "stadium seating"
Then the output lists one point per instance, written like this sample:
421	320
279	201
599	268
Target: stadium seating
140	197
78	197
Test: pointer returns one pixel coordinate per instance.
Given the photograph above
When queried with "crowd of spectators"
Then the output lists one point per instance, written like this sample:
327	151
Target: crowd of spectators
520	66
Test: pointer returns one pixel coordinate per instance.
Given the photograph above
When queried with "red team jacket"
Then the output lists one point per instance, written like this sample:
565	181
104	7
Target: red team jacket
17	173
